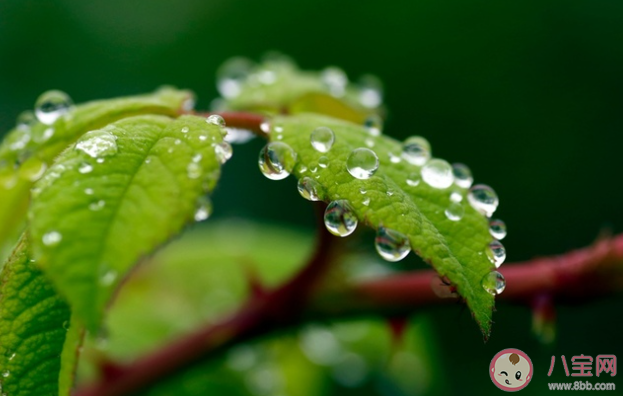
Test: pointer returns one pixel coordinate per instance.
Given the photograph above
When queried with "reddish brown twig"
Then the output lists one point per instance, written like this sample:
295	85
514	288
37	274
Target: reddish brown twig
240	119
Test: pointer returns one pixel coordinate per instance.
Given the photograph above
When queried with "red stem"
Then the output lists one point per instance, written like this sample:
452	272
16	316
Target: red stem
243	120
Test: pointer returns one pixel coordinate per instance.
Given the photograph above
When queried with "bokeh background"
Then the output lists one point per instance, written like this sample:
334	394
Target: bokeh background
528	94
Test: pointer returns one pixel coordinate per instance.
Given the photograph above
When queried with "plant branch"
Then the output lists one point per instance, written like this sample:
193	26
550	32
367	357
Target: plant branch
242	120
573	277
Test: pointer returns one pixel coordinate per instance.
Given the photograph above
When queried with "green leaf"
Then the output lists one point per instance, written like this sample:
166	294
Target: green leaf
456	249
27	150
38	345
115	196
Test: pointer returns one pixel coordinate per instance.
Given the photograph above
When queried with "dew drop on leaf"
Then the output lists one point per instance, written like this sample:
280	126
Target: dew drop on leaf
25	120
416	150
391	245
194	170
51	105
413	179
462	175
97	205
18	140
310	189
204	208
370	91
33	169
497	228
276	161
437	173
85	167
223	151
323	162
456	196
322	139
335	80
51	238
496	253
362	163
97	144
231	76
340	218
185	129
483	199
454	211
216	119
374	124
494	283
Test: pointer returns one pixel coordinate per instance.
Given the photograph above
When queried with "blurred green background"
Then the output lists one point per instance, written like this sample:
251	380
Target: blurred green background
528	94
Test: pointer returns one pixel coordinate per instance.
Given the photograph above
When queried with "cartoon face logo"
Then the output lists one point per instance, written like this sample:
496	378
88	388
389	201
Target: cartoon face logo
511	370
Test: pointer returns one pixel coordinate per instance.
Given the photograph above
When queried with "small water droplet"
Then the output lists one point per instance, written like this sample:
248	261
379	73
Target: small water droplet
394	159
26	120
216	119
335	80
413	179
455	211
437	173
88	191
32	169
108	278
276	161
416	150
194	170
231	76
203	138
456	196
66	325
177	142
97	205
496	253
51	105
43	136
462	175
494	283
302	169
362	163
370	91
390	193
223	151
363	190
391	245
52	238
323	162
18	140
85	167
374	124
265	126
310	189
6	374
204	208
322	139
340	218
483	199
366	201
185	129
10	355
497	228
97	144
369	142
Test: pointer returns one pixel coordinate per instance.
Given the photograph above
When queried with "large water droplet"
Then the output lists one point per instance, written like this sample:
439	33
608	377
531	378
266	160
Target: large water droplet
204	208
462	175
483	199
496	253
216	119
392	245
374	124
494	283
99	143
335	80
310	189
370	91
437	173
416	150
223	151
322	139
455	211
340	218
51	105
362	163
52	238
231	76
497	228
277	159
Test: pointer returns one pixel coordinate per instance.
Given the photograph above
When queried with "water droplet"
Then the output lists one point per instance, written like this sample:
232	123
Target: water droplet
335	80
362	163
462	175
370	91
43	136
276	161
323	162
194	170
456	196
26	120
100	143
340	218
494	283
223	151
416	150
369	142
437	173
177	142
18	140
483	199
310	189
322	139
88	191
216	119
6	374
85	167
204	208
391	245
394	159
496	253
390	193
203	138
97	205
185	129
374	125
100	160
363	190
52	238
108	278
302	169
66	325
231	76
51	105
32	169
455	211
497	228
366	201
413	179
